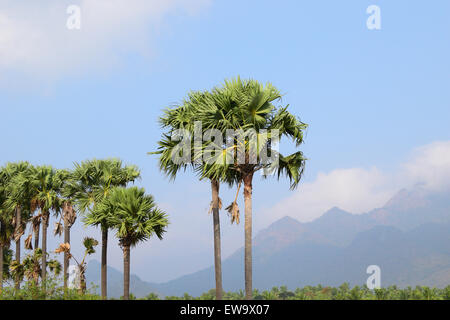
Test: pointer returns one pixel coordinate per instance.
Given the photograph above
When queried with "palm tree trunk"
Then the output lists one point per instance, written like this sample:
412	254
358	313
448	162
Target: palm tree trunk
126	272
45	218
248	234
1	265
217	248
1	256
104	262
18	226
82	272
66	254
36	237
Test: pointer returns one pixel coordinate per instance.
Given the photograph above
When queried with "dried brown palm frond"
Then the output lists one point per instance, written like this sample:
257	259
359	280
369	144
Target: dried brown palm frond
28	244
58	229
70	215
233	212
18	233
211	206
233	208
63	247
36	222
34	204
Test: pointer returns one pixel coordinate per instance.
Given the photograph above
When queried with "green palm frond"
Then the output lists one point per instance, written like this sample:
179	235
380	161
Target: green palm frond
242	105
90	244
133	215
94	180
55	267
292	167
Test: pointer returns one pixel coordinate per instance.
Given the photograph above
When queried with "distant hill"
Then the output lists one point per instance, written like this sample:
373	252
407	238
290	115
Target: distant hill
409	238
115	281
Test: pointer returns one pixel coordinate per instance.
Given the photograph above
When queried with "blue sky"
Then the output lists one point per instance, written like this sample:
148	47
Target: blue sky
370	97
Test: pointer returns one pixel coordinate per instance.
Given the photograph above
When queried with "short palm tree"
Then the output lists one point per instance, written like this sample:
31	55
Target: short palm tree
89	248
135	217
93	181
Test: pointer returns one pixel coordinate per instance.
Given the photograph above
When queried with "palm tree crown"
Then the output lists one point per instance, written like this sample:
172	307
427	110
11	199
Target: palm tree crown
135	217
94	180
133	214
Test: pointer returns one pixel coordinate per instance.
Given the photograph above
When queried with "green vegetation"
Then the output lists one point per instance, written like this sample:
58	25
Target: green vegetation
89	246
95	188
343	292
51	291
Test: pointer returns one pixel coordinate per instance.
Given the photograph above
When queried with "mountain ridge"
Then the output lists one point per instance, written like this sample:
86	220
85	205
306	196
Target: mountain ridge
338	246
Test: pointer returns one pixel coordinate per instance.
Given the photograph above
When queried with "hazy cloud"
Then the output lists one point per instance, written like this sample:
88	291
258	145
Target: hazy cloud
429	166
35	42
358	190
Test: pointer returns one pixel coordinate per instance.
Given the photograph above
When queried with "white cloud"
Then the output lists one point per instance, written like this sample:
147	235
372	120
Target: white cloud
34	39
429	166
359	190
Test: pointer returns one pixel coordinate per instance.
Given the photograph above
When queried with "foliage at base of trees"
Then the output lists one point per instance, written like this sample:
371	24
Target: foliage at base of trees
54	291
343	292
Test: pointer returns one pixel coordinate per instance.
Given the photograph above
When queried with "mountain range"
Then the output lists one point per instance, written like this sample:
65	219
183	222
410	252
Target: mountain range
408	238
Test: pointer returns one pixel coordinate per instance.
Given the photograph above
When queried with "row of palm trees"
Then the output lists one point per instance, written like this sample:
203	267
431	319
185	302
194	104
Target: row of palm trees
98	188
242	106
95	188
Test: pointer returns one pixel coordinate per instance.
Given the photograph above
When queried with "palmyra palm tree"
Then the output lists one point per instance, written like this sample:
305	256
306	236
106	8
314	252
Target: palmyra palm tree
7	259
183	117
64	180
94	179
6	228
46	197
4	240
246	106
17	202
24	188
2	246
135	217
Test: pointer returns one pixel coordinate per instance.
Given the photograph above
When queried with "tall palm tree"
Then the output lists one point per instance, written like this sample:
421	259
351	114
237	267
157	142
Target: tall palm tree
94	179
2	245
247	106
183	116
46	197
6	233
65	185
7	259
3	224
135	217
6	229
17	201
